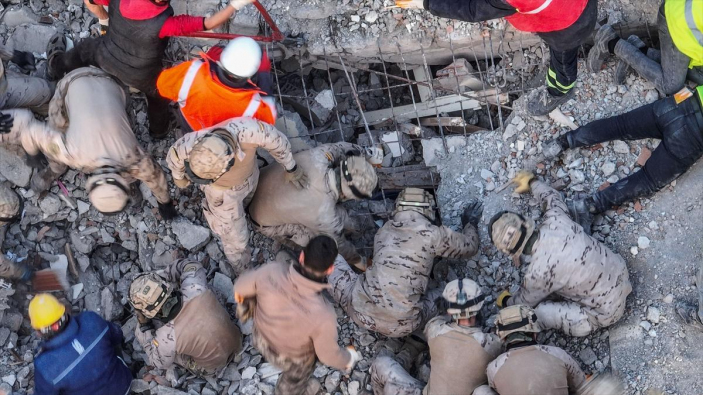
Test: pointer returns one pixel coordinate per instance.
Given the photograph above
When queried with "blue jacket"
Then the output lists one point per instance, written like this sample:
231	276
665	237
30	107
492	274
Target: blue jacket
82	360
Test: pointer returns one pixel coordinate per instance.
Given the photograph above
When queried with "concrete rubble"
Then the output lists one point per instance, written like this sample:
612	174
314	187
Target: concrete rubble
646	347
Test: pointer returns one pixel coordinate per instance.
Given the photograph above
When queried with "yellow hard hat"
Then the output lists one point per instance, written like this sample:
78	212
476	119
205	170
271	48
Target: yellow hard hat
45	310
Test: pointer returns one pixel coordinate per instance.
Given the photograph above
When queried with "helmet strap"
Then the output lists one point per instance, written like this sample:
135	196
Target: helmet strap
518	340
344	166
530	243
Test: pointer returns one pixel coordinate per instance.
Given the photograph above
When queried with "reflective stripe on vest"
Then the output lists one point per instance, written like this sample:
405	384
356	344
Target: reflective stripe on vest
188	82
253	106
271	102
685	21
538	9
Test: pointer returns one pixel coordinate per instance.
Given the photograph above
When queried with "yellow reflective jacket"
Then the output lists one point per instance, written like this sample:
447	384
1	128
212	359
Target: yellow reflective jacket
685	21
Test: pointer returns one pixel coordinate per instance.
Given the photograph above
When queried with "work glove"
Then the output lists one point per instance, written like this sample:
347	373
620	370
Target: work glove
297	177
472	213
25	60
239	4
168	211
355	357
503	298
522	181
37	161
6	122
410	4
181	183
245	307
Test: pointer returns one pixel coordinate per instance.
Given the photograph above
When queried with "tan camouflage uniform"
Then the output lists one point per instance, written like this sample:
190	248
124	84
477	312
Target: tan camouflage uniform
535	369
592	280
22	91
202	337
458	357
282	212
227	198
88	129
390	297
8	210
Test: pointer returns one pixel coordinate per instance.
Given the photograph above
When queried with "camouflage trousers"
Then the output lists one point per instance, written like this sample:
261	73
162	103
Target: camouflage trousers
573	318
27	92
10	270
295	371
296	236
389	378
224	211
343	282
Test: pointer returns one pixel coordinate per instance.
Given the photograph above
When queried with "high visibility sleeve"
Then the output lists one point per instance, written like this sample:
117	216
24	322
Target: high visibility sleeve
170	80
180	25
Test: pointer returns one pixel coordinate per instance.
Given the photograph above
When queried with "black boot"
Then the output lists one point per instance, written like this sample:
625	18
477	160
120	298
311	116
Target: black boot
541	102
600	50
583	211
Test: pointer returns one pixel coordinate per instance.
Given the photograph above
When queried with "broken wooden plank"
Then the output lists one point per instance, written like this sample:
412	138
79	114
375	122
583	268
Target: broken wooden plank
451	124
417	176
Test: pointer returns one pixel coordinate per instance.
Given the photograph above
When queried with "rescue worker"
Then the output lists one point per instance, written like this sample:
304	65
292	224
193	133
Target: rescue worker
526	367
19	91
590	280
677	121
10	211
564	25
391	297
221	160
680	24
239	75
336	173
99	142
459	350
196	332
79	354
293	323
133	47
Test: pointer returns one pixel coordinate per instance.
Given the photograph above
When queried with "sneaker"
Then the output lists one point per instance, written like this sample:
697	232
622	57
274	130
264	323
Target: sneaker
541	102
582	212
622	68
600	52
689	315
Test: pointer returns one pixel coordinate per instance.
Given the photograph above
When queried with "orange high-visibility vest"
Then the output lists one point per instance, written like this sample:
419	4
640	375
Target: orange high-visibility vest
205	101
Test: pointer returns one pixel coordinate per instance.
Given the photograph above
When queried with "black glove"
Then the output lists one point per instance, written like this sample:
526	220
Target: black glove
6	122
37	161
167	211
25	60
472	213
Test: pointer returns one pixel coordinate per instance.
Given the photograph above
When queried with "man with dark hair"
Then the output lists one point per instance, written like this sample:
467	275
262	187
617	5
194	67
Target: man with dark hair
293	323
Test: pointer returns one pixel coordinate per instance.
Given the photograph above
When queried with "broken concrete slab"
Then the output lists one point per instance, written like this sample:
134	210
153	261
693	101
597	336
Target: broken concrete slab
13	167
16	16
33	38
192	237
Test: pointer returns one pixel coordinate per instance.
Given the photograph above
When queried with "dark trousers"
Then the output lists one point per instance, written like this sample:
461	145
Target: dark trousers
86	53
563	50
680	127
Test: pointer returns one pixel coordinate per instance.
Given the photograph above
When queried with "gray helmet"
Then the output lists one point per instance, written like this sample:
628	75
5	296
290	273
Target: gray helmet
148	293
516	318
418	200
358	178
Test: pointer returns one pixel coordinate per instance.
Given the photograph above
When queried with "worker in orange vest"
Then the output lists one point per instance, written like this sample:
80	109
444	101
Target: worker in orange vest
238	75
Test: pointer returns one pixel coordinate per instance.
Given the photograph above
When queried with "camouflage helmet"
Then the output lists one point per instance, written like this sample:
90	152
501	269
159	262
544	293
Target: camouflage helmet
465	298
10	204
418	200
510	232
516	318
108	192
148	293
211	157
358	178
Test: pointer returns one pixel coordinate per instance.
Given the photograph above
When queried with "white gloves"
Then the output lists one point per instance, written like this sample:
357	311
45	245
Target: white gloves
239	4
410	4
355	357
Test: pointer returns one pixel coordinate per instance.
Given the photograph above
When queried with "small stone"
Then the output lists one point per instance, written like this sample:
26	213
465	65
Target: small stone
608	168
486	174
621	147
653	314
248	373
50	205
332	381
634	251
353	387
588	356
653	333
668	299
138	386
192	237
326	99
646	325
223	287
366	340
651	96
9	379
83	207
643	242
371	17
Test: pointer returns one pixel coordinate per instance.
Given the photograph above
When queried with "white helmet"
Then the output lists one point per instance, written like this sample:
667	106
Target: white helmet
241	57
464	297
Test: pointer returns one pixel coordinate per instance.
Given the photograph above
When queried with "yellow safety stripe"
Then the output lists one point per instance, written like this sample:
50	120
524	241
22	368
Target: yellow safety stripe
552	75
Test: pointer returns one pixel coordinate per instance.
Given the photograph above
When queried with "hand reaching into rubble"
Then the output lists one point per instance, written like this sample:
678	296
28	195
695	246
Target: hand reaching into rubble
167	211
25	60
239	4
6	122
297	177
37	161
472	213
522	181
355	357
410	4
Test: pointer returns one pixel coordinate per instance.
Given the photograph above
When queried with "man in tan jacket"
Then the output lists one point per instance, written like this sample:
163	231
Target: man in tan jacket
527	368
222	161
196	331
336	172
391	296
459	351
293	323
88	130
591	280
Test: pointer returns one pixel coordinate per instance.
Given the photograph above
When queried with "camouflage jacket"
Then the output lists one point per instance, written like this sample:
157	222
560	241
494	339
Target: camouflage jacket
535	369
404	252
202	337
246	135
88	129
568	262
